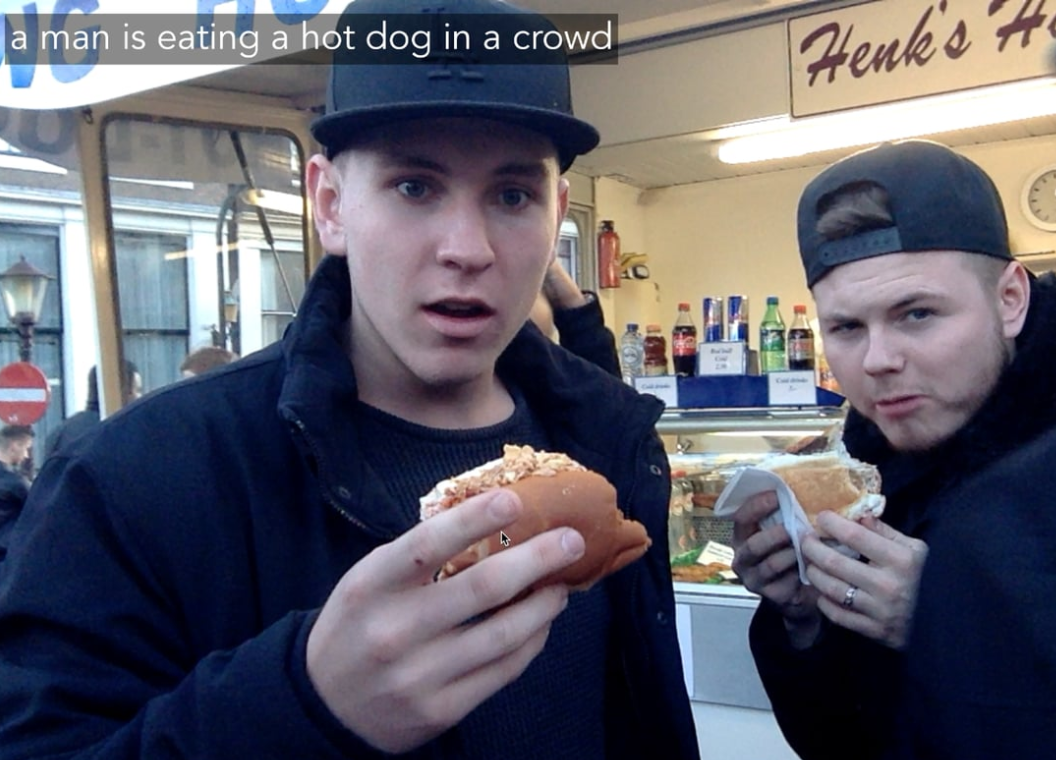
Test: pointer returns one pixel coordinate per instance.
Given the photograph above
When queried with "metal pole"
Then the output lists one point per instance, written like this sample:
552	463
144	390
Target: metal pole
25	337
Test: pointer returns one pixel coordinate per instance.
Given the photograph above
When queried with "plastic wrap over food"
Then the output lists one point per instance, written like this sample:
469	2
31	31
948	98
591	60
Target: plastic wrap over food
751	481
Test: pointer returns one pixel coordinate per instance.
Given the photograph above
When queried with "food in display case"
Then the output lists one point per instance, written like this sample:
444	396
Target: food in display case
704	458
705	564
693	526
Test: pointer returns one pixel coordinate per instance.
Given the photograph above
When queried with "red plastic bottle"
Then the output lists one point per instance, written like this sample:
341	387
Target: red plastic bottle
655	351
608	256
684	343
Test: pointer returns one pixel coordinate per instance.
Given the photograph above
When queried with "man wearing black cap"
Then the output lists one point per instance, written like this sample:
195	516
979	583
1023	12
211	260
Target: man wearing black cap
270	594
939	642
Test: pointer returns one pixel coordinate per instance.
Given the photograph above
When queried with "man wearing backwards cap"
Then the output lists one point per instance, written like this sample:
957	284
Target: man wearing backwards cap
941	643
155	605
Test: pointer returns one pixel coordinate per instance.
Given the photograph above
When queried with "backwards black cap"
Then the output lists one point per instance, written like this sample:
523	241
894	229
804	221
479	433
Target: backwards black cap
940	201
365	91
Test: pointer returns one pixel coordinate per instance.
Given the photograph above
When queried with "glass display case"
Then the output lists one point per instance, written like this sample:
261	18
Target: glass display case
705	448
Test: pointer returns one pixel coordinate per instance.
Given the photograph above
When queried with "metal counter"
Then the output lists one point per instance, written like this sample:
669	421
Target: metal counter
713	634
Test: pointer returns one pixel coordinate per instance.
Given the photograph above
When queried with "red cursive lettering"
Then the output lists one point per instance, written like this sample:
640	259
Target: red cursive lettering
958	44
831	59
918	49
1025	22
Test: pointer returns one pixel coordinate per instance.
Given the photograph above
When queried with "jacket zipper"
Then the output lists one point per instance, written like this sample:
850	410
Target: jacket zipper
324	488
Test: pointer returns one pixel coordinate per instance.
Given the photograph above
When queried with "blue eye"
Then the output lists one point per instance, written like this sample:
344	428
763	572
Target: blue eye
514	197
412	188
916	315
842	327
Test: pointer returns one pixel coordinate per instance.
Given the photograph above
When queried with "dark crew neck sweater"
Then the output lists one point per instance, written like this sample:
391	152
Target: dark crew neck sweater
555	709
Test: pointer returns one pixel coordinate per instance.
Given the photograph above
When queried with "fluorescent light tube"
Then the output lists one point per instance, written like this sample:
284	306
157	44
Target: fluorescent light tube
784	138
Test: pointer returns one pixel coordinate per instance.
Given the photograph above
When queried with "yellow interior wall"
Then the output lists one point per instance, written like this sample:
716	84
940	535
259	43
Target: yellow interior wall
738	236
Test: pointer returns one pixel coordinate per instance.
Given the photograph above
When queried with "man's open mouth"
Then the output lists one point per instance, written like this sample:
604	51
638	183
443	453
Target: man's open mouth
460	309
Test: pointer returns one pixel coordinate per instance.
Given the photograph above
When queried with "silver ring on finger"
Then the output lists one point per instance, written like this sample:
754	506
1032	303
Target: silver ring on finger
848	598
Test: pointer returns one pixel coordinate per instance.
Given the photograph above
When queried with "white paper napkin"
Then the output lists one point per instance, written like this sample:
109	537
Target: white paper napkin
750	481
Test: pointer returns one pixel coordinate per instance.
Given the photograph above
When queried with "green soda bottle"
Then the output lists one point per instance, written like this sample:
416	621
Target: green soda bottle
772	339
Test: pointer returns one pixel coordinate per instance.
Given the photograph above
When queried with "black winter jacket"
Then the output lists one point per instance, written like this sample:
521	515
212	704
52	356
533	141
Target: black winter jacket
165	574
13	492
978	676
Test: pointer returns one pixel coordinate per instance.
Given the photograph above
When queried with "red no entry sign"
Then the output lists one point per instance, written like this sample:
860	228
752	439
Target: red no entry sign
24	393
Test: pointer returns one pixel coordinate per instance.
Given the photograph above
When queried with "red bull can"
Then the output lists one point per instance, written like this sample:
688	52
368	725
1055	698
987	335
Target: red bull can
713	320
738	318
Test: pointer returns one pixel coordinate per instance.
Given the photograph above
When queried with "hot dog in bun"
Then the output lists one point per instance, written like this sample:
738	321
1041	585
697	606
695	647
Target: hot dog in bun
555	491
833	480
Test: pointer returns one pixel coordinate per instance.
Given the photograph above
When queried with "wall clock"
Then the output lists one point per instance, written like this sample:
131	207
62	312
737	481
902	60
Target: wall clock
1039	198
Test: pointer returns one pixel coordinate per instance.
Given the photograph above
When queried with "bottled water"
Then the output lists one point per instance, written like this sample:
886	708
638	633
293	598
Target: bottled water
632	354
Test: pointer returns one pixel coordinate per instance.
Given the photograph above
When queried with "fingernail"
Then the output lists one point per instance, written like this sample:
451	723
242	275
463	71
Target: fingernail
572	543
503	506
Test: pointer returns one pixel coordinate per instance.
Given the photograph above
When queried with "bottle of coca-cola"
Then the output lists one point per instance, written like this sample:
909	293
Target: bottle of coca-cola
800	340
684	343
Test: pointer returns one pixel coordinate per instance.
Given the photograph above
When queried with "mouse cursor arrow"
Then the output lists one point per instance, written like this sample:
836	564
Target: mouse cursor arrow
504	539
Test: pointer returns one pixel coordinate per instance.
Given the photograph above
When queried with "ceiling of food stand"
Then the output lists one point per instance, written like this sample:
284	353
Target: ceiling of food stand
686	158
664	162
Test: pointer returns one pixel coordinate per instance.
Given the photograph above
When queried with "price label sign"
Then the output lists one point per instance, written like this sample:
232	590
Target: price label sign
664	387
722	358
716	552
792	388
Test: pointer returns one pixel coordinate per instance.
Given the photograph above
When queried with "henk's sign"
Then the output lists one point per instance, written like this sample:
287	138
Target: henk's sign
891	50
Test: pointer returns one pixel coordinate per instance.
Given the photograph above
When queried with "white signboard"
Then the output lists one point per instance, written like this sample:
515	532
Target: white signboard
722	358
880	52
664	387
792	388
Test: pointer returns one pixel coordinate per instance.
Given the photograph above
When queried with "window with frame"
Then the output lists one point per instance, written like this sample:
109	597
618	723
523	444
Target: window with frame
575	246
281	288
153	299
218	252
40	245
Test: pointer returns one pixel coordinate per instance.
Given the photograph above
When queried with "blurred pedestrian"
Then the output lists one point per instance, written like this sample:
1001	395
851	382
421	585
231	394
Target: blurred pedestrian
204	359
16	441
80	423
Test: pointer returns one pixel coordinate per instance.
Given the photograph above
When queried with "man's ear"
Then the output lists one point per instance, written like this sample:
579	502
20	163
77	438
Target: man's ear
324	188
1013	293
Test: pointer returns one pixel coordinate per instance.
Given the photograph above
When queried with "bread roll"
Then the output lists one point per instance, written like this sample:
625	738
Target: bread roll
833	480
556	491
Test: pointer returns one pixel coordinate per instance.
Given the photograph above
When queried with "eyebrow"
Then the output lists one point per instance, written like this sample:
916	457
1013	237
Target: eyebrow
915	297
525	169
903	303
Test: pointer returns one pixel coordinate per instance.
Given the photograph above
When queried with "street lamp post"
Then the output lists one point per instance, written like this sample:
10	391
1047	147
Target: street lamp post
23	288
231	319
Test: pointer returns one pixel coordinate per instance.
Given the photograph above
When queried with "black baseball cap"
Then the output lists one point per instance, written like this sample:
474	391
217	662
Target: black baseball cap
367	91
940	201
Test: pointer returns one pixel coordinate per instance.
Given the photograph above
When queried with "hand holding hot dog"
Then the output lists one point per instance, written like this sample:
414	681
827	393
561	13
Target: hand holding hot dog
392	654
765	562
882	607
